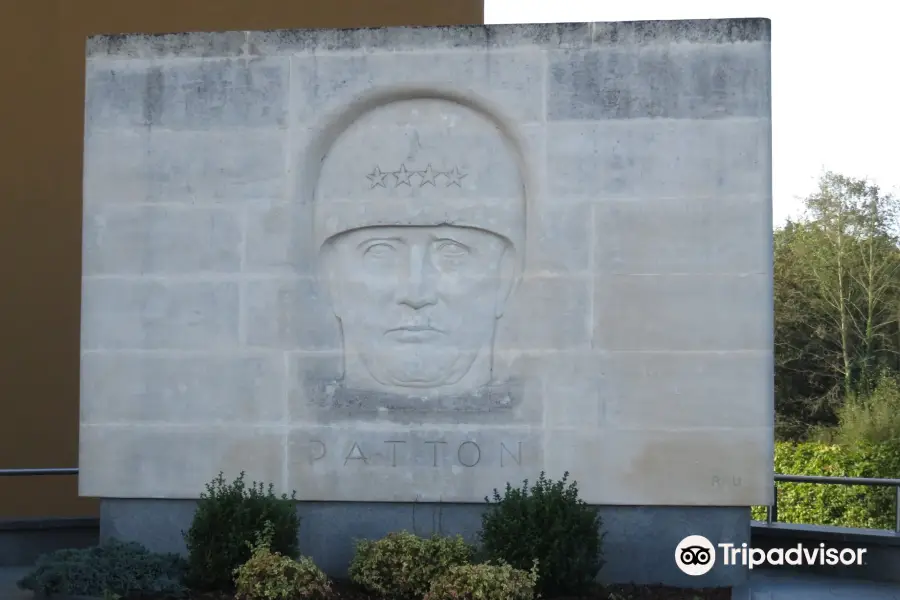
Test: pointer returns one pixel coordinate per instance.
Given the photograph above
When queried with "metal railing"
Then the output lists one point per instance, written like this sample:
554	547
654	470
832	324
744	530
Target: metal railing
772	511
36	472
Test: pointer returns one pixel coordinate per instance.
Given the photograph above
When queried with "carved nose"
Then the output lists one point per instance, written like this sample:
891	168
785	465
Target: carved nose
419	290
417	302
417	293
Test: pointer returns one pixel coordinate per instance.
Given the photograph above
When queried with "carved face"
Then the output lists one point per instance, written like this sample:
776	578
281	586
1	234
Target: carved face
418	305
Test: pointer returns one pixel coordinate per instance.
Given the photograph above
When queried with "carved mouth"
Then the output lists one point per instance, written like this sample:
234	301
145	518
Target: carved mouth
413	328
414	334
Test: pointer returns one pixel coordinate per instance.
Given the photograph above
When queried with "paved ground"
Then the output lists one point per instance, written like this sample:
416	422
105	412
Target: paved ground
765	586
8	578
771	585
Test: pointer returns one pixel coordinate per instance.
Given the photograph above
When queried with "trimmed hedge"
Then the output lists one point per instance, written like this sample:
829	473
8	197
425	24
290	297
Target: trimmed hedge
114	567
228	520
484	582
548	523
402	565
841	505
271	576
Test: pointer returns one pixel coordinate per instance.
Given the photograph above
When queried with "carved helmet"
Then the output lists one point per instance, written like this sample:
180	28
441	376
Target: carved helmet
417	157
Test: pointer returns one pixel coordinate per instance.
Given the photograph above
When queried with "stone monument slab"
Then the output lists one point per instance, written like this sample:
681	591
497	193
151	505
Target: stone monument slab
411	265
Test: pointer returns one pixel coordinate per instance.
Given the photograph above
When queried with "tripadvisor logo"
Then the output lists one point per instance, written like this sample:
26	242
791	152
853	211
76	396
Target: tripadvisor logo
695	555
798	555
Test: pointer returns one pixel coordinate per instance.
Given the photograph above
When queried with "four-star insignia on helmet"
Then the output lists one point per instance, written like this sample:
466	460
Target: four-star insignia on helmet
416	178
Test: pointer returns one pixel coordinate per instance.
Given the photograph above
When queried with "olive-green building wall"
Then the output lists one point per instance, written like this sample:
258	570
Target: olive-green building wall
41	130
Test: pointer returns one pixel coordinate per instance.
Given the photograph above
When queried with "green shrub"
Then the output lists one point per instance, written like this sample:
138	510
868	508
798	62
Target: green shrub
485	582
841	505
871	419
402	565
228	520
269	575
113	568
550	524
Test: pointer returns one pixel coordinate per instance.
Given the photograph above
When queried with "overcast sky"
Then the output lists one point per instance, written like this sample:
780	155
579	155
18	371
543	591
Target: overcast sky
835	72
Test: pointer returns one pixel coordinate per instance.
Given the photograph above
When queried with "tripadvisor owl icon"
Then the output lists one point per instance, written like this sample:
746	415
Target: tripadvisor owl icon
695	555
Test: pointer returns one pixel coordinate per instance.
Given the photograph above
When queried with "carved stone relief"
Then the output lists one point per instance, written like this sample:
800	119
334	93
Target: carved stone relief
418	274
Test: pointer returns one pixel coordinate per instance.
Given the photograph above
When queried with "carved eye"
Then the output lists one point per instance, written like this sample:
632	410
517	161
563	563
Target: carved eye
379	250
452	250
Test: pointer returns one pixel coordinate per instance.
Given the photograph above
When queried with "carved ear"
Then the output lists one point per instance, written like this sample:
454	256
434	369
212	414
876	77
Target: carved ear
508	279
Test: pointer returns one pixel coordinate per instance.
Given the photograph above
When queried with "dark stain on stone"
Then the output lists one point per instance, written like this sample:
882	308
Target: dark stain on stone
153	97
336	402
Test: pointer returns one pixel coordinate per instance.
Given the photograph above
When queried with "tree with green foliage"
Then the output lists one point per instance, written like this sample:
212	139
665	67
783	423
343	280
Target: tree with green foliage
837	301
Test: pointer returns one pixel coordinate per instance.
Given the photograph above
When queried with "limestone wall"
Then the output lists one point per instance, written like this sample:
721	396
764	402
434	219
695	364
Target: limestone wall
415	264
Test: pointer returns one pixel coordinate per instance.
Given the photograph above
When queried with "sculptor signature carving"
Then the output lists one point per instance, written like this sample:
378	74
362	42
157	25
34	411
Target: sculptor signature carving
419	280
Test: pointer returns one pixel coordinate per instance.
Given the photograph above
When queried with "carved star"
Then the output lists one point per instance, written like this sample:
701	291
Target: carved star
376	178
428	175
402	176
454	177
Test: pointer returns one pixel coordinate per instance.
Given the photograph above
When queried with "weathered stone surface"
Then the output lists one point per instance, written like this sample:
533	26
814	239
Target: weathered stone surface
693	31
553	313
696	81
679	312
288	314
276	239
314	399
478	37
154	461
672	235
659	158
135	313
140	387
183	167
426	464
410	265
685	389
554	36
194	44
134	240
511	78
201	94
639	459
561	241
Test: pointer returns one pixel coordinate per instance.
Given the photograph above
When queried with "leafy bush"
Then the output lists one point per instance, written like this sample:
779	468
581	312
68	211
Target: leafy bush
269	575
841	505
550	524
402	565
485	582
227	522
871	419
120	568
